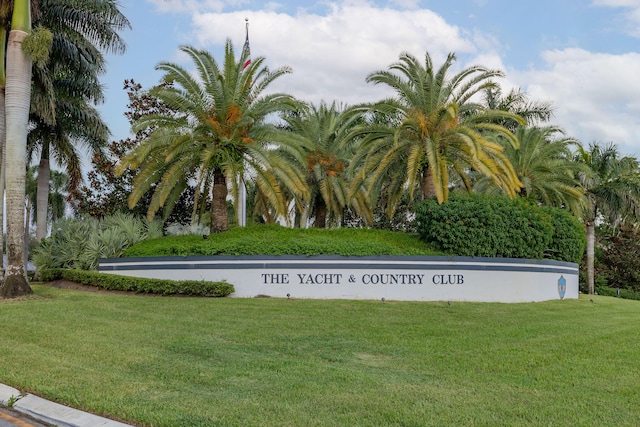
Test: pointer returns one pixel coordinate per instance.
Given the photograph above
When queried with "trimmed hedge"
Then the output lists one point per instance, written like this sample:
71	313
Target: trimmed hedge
569	238
616	292
496	226
115	282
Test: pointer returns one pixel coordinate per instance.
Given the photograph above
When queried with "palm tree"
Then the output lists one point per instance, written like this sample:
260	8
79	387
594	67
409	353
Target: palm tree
62	113
322	134
88	21
17	97
612	190
76	123
517	102
440	130
545	166
217	131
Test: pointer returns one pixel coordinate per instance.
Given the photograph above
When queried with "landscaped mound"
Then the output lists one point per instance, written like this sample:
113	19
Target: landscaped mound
277	240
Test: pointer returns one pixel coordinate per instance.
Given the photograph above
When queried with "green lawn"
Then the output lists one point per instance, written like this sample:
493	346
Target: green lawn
162	361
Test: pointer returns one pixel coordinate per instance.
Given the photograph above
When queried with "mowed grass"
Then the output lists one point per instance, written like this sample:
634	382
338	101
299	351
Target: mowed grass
159	361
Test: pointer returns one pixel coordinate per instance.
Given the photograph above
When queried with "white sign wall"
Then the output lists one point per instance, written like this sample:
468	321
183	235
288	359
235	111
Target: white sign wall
388	277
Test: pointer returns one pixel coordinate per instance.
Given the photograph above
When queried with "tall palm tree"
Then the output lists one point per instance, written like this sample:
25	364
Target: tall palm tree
217	129
77	123
544	165
17	98
612	190
322	134
63	117
440	130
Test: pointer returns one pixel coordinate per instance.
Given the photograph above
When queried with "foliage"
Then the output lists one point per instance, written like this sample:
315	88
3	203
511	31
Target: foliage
106	192
485	225
79	244
114	282
612	189
439	131
569	239
544	165
621	258
617	292
321	135
517	102
277	240
37	46
403	218
219	136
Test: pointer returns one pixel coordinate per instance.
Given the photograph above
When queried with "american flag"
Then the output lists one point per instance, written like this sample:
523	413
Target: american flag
246	51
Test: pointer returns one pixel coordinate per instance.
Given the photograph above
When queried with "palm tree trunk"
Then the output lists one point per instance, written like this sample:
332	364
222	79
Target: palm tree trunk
591	244
427	186
321	214
3	142
25	253
42	197
18	94
219	214
2	173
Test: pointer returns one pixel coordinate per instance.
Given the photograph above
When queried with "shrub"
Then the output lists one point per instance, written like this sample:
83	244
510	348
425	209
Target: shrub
115	282
485	225
569	236
80	243
617	292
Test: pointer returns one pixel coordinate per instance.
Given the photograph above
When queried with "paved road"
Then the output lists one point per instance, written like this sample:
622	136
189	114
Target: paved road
10	418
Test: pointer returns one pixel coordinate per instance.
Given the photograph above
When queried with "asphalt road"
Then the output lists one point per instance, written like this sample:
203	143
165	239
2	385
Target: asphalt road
10	418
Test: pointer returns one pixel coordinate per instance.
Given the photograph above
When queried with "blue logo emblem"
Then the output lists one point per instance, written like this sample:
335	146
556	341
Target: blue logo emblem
562	286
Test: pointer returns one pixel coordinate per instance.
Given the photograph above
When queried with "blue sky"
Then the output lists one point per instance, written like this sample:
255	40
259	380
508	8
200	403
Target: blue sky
581	55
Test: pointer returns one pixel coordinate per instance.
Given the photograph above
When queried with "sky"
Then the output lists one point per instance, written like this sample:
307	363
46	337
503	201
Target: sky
583	56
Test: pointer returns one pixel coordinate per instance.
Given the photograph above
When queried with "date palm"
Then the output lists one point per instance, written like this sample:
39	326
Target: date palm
322	135
612	191
544	165
216	132
440	130
517	102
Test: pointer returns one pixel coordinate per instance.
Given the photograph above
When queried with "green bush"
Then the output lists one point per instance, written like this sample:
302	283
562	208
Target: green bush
617	292
115	282
569	236
485	225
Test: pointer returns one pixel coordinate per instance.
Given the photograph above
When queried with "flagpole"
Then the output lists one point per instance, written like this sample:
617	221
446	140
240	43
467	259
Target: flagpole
242	196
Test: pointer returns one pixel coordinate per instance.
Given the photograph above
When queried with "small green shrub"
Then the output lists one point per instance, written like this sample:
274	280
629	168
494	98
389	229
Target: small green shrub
485	225
115	282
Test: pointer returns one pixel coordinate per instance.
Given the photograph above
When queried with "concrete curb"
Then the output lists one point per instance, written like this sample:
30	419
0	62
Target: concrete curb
52	413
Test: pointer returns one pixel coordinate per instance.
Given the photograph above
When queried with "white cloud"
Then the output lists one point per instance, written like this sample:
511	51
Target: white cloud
632	16
617	3
595	94
332	55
